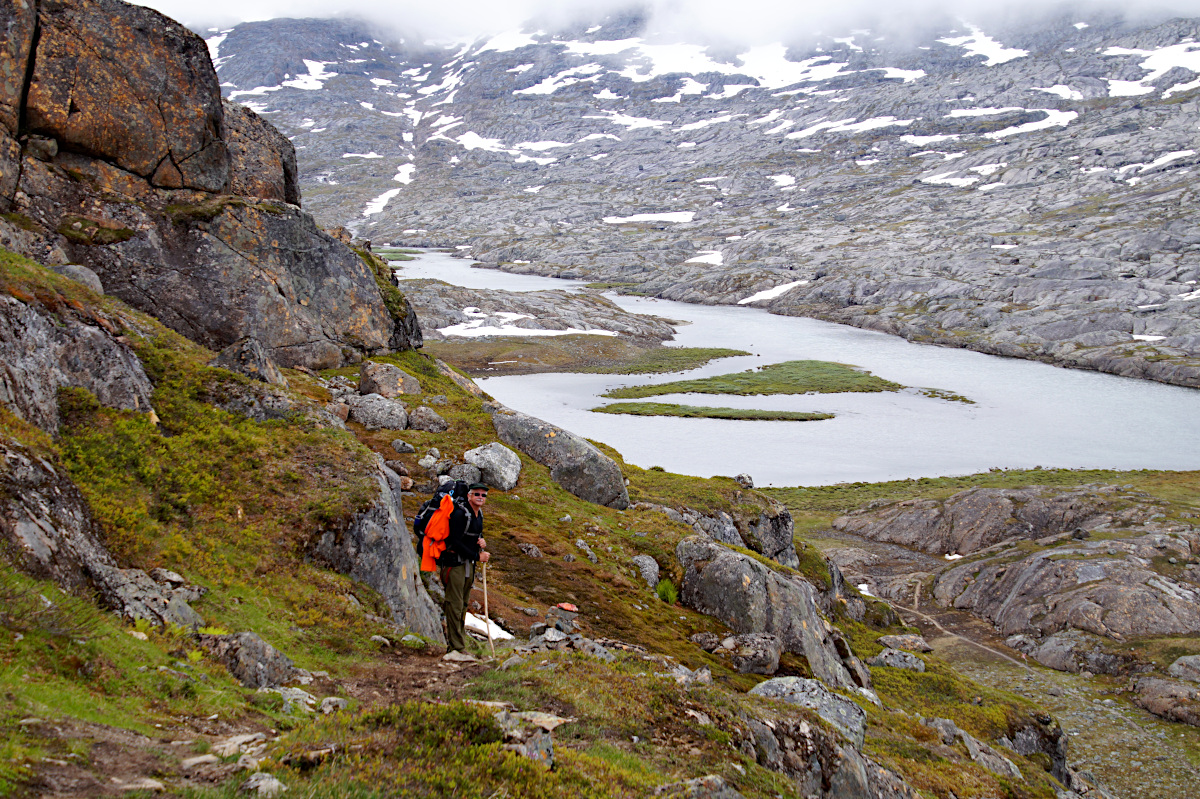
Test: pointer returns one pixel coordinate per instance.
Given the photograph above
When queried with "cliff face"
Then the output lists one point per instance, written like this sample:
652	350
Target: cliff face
117	152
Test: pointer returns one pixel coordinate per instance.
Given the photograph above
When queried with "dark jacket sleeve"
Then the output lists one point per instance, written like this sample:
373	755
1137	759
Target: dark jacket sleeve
464	536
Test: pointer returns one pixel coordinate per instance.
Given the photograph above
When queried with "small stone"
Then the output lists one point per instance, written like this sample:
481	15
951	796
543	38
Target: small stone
530	611
427	419
512	663
379	639
403	447
569	558
438	399
263	784
198	760
412	640
332	704
566	518
529	550
744	480
459	657
142	784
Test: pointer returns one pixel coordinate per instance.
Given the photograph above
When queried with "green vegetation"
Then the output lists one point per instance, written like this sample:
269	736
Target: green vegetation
397	253
665	359
789	377
695	412
949	396
82	230
393	298
666	591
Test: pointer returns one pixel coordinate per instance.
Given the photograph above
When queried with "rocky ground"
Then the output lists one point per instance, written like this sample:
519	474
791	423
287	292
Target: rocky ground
1023	191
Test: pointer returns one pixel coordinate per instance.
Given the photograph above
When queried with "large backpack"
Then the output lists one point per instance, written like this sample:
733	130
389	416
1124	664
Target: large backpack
437	509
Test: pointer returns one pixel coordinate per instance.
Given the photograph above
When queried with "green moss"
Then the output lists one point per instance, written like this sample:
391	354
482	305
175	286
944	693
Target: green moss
21	221
204	211
666	359
393	298
790	377
82	230
694	412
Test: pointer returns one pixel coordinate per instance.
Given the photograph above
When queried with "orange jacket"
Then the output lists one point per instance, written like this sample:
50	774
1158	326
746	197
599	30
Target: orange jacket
436	533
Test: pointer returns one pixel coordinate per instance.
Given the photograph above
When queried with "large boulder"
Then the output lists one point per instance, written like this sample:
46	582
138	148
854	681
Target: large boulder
841	713
750	597
254	662
375	412
499	465
42	351
427	419
386	380
896	659
575	464
131	86
756	653
18	19
1186	667
1168	699
772	534
376	549
263	160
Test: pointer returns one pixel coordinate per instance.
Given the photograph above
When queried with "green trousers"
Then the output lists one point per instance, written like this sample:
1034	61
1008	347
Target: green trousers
457	580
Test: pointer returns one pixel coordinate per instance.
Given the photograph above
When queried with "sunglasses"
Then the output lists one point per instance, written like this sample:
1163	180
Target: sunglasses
478	494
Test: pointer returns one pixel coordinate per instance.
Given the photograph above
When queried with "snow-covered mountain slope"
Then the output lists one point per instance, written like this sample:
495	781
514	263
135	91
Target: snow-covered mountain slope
1026	192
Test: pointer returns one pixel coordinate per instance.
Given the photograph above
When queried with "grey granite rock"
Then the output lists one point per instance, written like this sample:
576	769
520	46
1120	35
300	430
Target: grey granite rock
427	419
247	357
374	412
386	380
896	659
499	465
648	568
845	716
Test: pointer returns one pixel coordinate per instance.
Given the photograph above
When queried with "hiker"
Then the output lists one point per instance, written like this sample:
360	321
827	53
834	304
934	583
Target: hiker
465	546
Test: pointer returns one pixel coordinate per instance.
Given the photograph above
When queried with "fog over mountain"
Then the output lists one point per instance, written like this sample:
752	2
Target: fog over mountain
714	21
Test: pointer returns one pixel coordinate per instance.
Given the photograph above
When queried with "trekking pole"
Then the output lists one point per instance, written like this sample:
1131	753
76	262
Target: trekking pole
487	622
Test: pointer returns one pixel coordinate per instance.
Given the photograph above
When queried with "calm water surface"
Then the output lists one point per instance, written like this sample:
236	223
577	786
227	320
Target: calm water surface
1025	414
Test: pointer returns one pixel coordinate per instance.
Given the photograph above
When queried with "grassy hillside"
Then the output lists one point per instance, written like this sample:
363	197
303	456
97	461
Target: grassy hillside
232	504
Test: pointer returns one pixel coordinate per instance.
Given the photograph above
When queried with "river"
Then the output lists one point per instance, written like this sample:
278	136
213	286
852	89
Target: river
1025	414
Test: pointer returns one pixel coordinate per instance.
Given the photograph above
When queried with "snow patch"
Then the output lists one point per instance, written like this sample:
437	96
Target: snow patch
1054	118
979	43
782	181
670	216
713	257
772	293
404	174
377	205
1061	90
371	154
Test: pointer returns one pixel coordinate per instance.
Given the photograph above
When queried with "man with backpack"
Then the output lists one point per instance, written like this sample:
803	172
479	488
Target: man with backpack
451	534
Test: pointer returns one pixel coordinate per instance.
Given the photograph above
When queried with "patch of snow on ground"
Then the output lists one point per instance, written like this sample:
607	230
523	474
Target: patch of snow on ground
534	189
477	326
991	186
772	293
595	136
1148	338
507	42
377	205
982	112
315	79
479	625
921	141
405	174
949	179
704	123
864	589
473	141
633	123
906	75
685	145
710	180
1166	159
382	82
1185	54
1054	118
1003	246
539	146
605	94
988	169
782	181
729	91
371	154
713	257
670	216
851	126
214	45
567	77
952	556
979	43
1061	90
773	115
520	68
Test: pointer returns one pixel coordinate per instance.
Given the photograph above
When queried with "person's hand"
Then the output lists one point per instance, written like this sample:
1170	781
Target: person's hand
484	557
482	544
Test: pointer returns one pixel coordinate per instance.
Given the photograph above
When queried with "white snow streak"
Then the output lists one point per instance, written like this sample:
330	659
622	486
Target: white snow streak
772	293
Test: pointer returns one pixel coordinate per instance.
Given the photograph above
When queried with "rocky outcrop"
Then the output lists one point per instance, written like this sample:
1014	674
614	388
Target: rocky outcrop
126	84
42	351
1169	699
49	528
981	517
262	160
574	464
376	549
750	597
1109	588
375	412
122	164
386	380
254	662
897	659
839	712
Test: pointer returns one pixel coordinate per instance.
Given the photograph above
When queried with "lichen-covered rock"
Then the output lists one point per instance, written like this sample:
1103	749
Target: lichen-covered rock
386	380
247	357
262	160
41	351
575	464
254	662
126	84
375	412
18	19
909	642
427	419
756	653
749	597
377	550
80	274
1168	699
895	659
1186	667
842	714
468	473
648	568
499	465
772	534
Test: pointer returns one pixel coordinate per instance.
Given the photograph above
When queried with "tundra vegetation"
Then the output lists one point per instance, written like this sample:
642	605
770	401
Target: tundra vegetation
234	504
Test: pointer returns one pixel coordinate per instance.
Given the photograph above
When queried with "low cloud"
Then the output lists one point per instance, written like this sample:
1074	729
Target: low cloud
746	22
